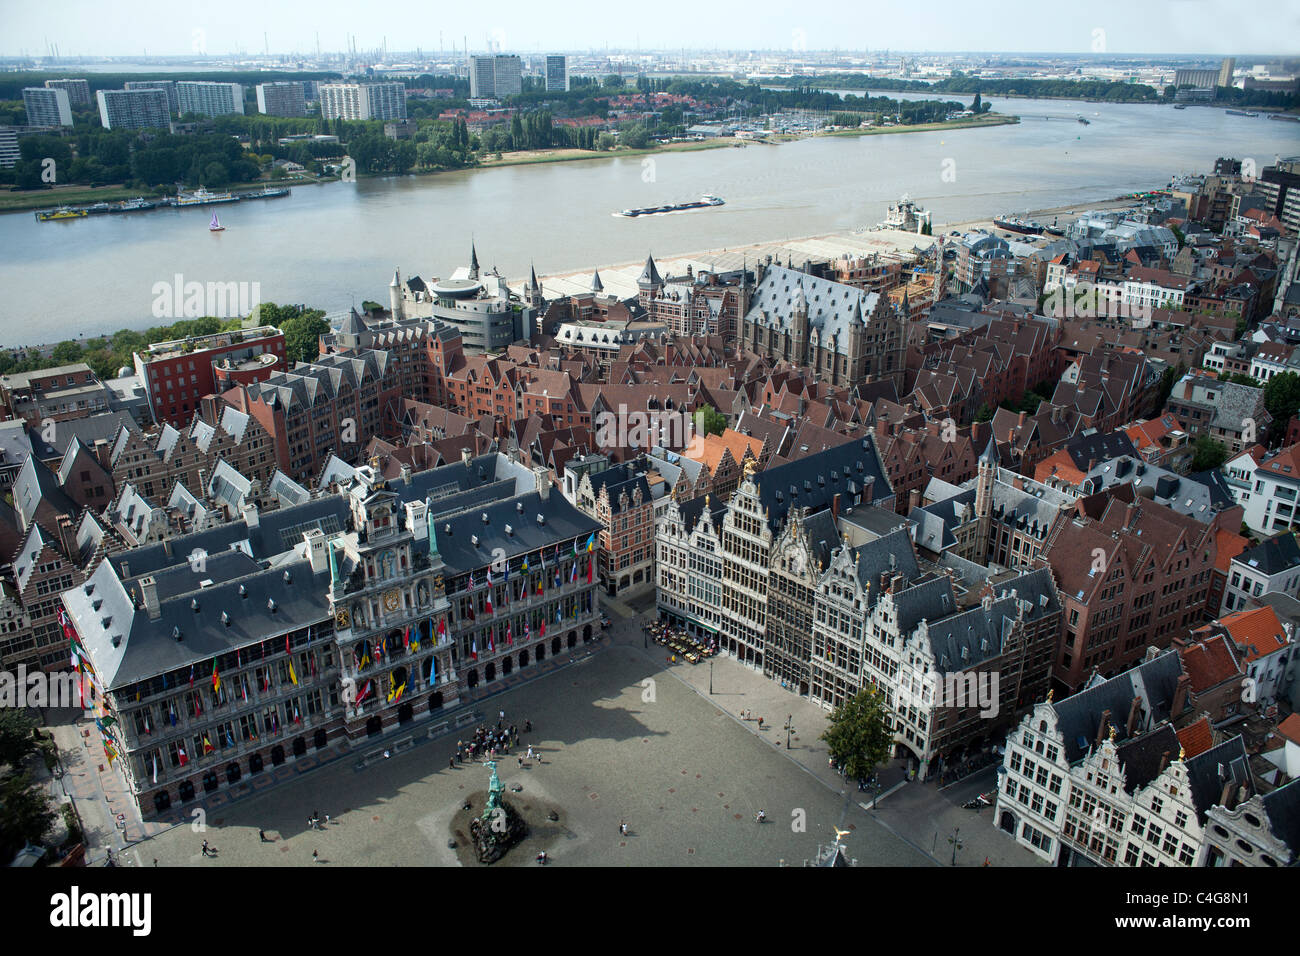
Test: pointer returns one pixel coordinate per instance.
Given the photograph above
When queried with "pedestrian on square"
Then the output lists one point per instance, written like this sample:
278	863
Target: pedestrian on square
451	763
528	726
261	835
760	723
315	856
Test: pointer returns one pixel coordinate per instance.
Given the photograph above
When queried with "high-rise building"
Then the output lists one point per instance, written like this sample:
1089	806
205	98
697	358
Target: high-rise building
362	101
209	99
173	101
47	107
133	109
78	90
495	76
1225	70
9	154
557	73
281	99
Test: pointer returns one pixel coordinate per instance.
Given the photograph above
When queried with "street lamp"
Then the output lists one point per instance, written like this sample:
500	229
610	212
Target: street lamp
789	726
956	844
710	677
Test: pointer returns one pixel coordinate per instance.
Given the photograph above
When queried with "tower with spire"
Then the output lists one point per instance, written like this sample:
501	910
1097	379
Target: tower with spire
799	327
649	283
533	289
596	285
473	260
395	296
985	478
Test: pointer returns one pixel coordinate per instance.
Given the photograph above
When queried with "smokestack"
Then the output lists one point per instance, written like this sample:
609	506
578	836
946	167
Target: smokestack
1102	727
1181	691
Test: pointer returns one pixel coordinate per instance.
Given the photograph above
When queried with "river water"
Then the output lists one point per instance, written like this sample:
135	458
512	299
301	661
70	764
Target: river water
334	244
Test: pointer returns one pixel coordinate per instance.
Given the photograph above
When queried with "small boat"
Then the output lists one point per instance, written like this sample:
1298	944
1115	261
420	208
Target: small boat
201	197
1180	106
215	225
63	212
1083	120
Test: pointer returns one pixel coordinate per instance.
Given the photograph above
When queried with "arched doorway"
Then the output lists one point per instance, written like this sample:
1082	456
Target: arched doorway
471	679
255	763
186	791
299	747
573	639
523	658
161	801
555	645
507	664
1008	822
210	781
435	701
375	725
586	634
277	755
540	651
233	773
321	739
490	673
405	713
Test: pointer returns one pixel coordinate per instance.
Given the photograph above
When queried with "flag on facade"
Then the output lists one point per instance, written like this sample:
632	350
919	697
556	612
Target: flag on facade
471	581
181	755
510	636
110	753
492	644
207	746
488	603
171	712
540	590
473	650
489	577
591	543
542	633
590	561
442	628
573	571
293	678
527	631
433	670
558	581
558	618
296	718
216	679
155	766
230	738
575	547
406	637
364	693
524	567
286	644
148	729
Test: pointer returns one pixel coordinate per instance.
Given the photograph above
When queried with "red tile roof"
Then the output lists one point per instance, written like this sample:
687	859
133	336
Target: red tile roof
1258	630
1290	728
1209	663
1196	738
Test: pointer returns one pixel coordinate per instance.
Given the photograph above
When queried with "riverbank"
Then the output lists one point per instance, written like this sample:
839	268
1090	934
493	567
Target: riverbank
1043	216
989	119
30	200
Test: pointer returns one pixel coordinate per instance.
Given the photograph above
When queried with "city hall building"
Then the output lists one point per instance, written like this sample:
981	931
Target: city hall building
217	656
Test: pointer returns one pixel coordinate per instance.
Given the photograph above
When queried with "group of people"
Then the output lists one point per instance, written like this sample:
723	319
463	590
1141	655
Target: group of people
489	743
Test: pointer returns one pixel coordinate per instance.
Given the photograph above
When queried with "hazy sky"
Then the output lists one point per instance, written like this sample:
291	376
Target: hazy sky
177	27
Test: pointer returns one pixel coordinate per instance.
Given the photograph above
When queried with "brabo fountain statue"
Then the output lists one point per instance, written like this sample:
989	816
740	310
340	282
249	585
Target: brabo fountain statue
500	826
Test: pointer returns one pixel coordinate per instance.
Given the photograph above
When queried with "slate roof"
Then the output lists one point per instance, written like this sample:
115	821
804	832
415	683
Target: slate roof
103	609
1275	555
562	522
1208	772
1079	716
813	480
832	306
1283	809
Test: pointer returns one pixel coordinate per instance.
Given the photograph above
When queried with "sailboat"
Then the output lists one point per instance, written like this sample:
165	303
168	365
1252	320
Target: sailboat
215	225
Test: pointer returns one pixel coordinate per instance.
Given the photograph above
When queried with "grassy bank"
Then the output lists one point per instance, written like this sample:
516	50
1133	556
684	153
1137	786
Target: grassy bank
990	119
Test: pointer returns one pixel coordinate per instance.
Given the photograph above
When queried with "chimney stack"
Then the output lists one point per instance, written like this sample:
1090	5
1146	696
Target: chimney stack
1181	691
149	594
1134	715
1102	727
